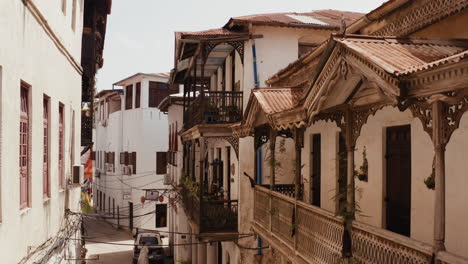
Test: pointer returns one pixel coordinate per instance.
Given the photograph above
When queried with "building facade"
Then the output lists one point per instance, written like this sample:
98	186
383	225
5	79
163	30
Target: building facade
130	153
41	96
218	69
377	116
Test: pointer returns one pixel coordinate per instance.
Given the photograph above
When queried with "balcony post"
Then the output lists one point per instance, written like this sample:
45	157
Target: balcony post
202	91
273	134
272	169
439	148
298	142
350	145
201	140
350	202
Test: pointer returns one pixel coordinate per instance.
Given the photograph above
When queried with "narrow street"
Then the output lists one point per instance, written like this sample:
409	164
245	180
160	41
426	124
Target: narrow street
101	231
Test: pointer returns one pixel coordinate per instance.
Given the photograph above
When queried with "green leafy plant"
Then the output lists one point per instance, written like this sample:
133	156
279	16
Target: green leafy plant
192	186
430	181
363	172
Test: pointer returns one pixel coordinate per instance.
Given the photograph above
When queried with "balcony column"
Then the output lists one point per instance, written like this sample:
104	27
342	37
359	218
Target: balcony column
272	161
194	250
202	151
350	145
211	253
201	253
439	148
299	143
350	202
202	89
192	158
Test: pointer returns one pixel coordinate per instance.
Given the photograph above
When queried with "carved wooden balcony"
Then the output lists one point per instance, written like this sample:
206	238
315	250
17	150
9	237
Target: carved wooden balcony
212	216
215	107
316	235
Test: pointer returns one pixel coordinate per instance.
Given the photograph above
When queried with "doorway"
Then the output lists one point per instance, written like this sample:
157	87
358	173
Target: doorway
398	182
316	169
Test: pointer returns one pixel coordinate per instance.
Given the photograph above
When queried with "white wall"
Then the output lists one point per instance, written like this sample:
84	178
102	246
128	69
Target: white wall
29	54
143	130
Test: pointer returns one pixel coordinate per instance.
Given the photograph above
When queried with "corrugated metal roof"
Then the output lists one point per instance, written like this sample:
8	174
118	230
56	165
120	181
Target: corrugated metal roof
320	18
401	56
277	99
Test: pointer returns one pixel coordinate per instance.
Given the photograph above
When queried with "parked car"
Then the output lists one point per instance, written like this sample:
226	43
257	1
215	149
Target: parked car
155	247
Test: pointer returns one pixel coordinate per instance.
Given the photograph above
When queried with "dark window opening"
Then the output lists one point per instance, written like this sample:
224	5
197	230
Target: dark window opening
161	215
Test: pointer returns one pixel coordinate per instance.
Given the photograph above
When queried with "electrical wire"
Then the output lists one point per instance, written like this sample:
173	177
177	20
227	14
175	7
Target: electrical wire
181	244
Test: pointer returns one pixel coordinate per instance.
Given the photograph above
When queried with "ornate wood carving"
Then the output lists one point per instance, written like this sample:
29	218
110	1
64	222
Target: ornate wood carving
414	19
453	114
360	116
239	46
422	110
234	141
209	46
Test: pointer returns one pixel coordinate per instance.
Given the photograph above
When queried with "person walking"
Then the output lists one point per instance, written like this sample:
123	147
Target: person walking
143	258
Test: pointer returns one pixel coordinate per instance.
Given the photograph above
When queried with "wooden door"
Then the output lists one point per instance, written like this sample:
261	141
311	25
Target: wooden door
398	182
316	169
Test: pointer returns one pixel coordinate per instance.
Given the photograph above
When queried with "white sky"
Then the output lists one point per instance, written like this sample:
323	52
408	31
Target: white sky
140	33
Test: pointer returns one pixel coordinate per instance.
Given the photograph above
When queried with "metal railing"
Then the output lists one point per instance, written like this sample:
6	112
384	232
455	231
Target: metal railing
215	107
211	216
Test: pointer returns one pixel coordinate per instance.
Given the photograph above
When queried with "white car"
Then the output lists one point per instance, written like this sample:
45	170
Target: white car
155	247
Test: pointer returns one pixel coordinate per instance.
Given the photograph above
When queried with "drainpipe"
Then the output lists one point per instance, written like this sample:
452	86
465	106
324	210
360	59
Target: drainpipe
254	61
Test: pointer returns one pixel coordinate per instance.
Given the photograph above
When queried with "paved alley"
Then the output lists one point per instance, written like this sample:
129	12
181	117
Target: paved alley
101	231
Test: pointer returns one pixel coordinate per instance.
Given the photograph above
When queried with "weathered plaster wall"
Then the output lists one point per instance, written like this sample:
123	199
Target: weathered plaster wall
372	193
28	54
329	173
456	184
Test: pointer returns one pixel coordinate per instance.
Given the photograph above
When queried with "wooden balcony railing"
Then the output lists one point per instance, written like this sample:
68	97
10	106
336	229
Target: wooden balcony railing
286	189
315	235
212	216
215	107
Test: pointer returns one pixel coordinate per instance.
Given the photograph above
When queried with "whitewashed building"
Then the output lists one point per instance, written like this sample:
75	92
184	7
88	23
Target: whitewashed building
41	94
130	152
219	68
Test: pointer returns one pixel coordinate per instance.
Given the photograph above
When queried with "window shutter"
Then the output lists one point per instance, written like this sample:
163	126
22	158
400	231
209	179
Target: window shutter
161	162
133	161
127	158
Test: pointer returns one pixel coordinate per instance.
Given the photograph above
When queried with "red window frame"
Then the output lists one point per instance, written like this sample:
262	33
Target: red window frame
61	148
46	175
24	146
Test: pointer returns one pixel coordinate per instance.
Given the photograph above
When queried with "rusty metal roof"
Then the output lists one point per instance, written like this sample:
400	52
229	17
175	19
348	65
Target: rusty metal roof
403	56
277	99
320	18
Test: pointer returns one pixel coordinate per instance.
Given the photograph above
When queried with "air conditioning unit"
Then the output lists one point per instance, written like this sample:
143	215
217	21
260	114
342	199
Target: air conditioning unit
109	167
127	170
